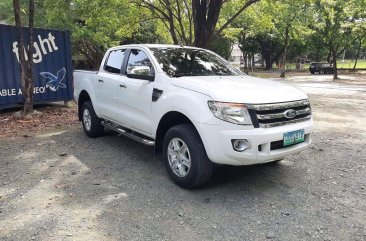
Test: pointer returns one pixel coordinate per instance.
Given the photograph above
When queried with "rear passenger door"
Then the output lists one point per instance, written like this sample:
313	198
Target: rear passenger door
106	86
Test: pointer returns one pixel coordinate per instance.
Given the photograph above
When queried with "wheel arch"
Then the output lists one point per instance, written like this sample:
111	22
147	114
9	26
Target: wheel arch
83	97
169	120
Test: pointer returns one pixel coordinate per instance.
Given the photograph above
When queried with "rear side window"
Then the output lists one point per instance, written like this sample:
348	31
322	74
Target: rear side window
114	61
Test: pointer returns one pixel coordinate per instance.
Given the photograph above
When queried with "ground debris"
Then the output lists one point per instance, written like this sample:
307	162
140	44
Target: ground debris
51	116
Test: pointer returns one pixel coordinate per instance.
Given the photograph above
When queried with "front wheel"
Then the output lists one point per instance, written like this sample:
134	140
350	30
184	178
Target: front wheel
91	123
185	158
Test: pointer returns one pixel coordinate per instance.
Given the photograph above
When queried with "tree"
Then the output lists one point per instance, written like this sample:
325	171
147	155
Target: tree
335	22
359	31
175	15
291	21
222	46
95	25
249	47
276	26
256	30
361	41
26	65
193	21
271	48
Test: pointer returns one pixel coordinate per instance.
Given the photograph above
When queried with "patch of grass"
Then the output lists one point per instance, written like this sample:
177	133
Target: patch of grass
347	64
361	64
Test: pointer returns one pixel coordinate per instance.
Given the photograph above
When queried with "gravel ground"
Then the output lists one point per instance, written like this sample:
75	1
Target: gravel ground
60	185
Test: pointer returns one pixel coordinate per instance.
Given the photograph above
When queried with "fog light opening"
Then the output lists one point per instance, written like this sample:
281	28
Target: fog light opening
240	145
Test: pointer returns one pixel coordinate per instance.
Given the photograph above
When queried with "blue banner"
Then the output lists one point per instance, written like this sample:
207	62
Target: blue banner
52	67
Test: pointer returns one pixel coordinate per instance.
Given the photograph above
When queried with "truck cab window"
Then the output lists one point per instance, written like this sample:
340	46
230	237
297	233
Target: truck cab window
114	62
137	59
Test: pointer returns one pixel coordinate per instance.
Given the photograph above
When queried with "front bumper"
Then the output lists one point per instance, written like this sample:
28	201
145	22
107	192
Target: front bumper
218	145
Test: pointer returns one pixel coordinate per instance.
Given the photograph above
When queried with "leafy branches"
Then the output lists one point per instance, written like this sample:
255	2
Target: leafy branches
192	22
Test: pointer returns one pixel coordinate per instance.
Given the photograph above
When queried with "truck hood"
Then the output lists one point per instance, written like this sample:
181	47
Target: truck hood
240	89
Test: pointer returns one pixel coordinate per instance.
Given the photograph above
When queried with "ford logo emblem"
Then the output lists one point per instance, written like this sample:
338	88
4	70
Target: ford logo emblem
289	114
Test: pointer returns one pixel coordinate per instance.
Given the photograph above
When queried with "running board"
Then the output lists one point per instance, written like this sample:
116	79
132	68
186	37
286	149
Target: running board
129	133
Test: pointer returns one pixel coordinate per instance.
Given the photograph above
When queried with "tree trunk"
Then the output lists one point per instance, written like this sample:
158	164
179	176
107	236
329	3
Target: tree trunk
205	17
317	55
334	55
266	52
358	53
25	66
283	69
249	61
330	55
283	65
172	29
29	85
268	61
252	64
245	59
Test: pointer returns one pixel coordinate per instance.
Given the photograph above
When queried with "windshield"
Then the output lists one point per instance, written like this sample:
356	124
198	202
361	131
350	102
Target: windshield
178	62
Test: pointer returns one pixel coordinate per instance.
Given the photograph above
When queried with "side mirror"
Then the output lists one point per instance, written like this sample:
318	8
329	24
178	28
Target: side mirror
140	72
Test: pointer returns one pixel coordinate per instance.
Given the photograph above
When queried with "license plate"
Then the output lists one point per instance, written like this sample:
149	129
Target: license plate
293	137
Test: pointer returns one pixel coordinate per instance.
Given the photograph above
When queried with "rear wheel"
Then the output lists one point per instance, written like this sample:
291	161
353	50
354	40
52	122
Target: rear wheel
185	158
91	123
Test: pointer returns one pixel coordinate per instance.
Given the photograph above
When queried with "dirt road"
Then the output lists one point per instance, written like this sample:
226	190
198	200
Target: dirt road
61	185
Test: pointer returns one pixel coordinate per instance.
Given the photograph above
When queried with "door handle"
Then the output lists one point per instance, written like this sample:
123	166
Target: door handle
101	81
122	86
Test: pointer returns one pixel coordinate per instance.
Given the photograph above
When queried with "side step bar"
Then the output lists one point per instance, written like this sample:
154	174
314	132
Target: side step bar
129	133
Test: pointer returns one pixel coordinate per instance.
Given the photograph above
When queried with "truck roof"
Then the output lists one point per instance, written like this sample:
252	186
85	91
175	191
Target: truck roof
155	46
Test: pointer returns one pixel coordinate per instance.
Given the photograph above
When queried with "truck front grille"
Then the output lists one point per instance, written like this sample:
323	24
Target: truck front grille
279	114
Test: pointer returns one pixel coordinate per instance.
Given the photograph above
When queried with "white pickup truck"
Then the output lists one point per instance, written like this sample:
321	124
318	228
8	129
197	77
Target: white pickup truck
194	107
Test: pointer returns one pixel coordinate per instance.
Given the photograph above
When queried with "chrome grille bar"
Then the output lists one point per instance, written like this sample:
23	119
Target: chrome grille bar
274	124
276	106
277	114
282	114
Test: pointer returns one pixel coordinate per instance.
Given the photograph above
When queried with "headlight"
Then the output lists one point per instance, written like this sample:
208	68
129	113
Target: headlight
230	112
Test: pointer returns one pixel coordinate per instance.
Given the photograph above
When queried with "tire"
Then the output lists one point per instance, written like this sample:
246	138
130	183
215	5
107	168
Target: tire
91	123
200	167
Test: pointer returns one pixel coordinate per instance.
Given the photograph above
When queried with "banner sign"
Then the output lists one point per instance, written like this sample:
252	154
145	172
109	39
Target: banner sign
52	67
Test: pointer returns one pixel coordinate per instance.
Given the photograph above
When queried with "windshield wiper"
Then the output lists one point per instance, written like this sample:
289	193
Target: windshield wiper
184	74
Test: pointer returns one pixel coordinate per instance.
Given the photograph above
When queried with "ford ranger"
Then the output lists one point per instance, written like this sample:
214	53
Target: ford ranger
194	108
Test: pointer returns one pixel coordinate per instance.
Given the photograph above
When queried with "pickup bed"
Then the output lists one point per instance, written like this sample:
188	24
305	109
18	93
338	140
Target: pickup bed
194	108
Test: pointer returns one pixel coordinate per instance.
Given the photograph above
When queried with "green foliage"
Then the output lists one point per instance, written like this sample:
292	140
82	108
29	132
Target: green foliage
104	23
6	10
336	23
173	18
270	27
275	29
97	25
222	46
